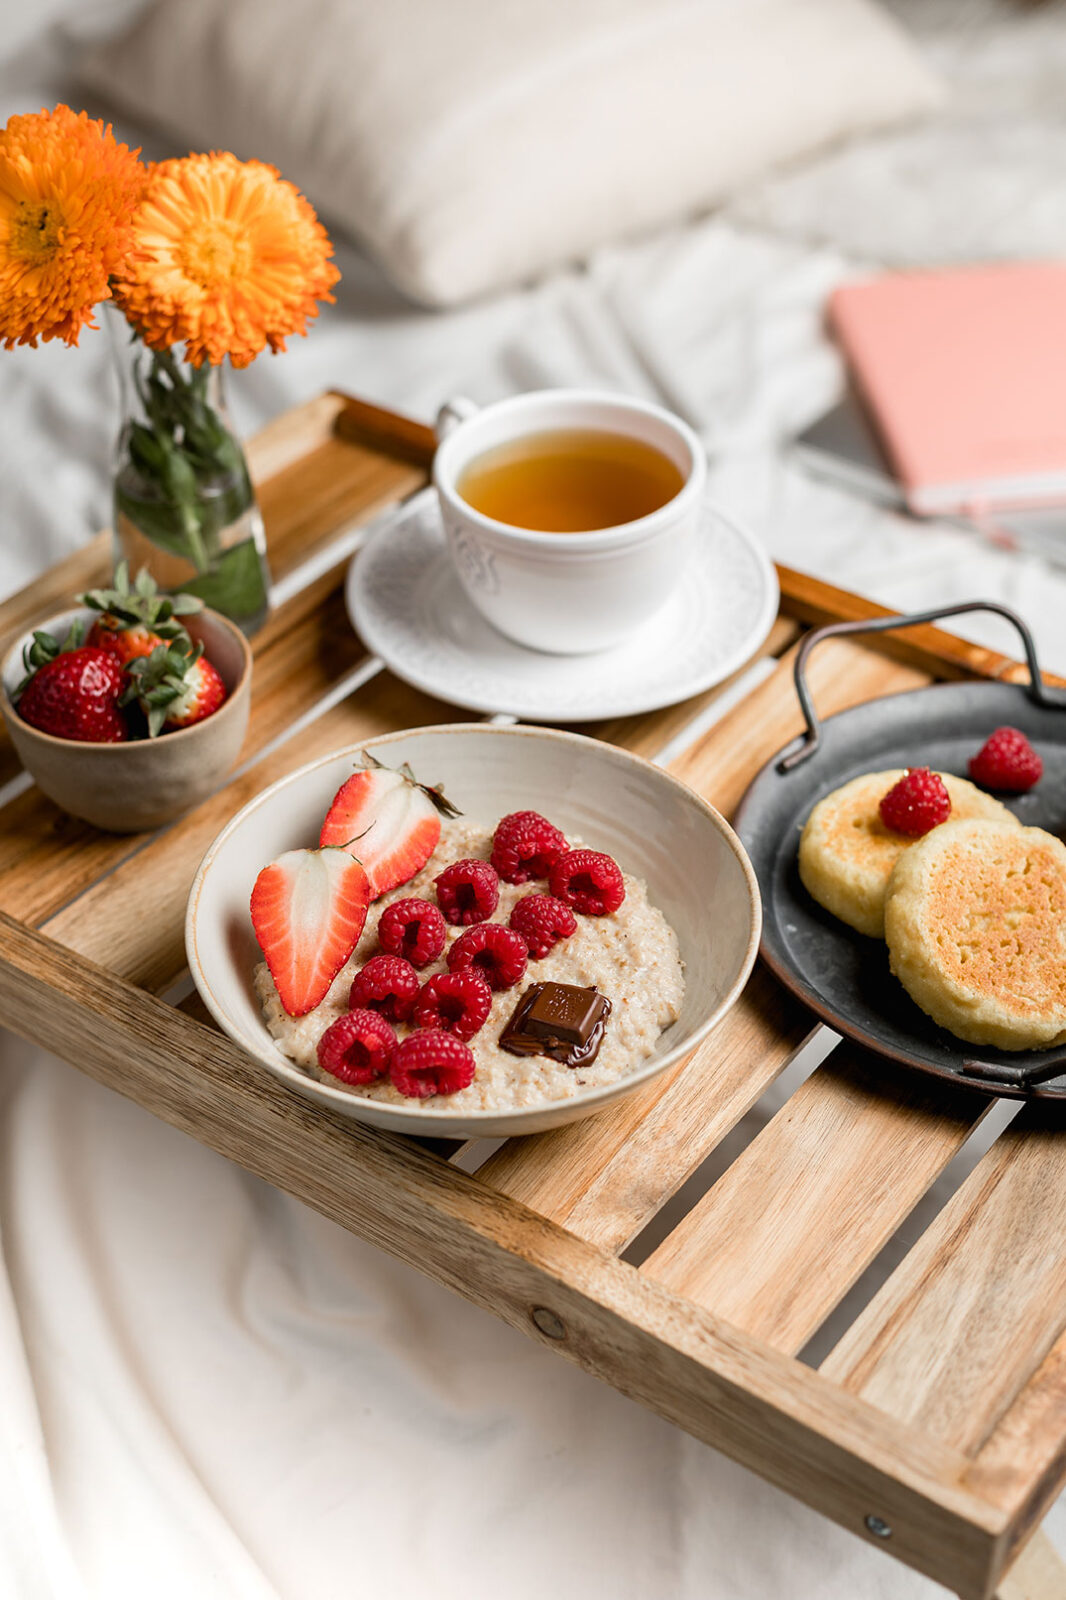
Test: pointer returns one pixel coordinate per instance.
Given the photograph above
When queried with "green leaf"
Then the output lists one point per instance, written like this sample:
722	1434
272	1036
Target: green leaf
145	449
187	483
236	587
157	521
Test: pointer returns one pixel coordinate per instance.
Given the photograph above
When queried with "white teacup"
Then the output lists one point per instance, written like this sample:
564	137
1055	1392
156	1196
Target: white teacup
577	592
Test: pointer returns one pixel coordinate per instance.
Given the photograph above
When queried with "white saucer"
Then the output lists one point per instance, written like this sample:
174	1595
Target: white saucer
408	606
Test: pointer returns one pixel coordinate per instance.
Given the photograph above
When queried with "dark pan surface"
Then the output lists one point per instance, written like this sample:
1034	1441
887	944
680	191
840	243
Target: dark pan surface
841	975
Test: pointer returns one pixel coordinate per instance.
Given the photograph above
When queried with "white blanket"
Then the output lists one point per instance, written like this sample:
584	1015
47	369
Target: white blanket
208	1390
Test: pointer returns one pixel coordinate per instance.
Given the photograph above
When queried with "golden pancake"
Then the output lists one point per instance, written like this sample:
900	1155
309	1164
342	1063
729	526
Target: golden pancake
846	853
975	919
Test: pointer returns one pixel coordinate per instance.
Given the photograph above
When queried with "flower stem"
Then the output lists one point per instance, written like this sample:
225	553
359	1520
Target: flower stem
190	480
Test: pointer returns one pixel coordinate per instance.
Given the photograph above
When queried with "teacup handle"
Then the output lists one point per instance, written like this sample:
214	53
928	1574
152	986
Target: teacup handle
452	412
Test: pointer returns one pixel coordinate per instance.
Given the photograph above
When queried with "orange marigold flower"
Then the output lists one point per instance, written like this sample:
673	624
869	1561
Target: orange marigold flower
229	258
68	191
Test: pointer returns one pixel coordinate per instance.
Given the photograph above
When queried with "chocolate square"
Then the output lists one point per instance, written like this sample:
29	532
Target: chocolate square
563	1012
559	1020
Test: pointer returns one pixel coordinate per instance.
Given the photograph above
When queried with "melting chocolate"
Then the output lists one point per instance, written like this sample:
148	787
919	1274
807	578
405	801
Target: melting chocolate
558	1020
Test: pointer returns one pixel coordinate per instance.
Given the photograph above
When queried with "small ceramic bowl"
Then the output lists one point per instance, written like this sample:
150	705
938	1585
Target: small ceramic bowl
125	788
656	828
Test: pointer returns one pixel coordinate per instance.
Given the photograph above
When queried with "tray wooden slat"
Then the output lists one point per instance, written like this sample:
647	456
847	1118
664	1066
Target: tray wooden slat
976	1306
781	1237
695	1370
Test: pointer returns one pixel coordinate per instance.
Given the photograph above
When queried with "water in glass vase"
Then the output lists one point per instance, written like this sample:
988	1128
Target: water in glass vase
184	502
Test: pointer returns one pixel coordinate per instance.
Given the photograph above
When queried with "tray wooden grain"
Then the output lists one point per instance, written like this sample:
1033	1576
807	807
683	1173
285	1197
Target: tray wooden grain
935	1428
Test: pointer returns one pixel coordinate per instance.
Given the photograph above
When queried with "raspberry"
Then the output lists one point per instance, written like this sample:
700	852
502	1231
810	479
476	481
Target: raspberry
917	803
413	929
589	881
358	1047
1008	762
387	984
542	921
459	1002
468	891
524	846
432	1062
497	953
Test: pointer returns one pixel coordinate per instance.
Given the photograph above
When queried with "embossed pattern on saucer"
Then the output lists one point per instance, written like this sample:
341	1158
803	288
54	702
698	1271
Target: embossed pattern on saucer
408	606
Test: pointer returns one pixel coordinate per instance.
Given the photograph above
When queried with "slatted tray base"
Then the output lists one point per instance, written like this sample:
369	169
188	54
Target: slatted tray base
935	1428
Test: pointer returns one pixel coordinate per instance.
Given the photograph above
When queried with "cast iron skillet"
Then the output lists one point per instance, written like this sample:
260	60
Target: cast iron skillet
841	975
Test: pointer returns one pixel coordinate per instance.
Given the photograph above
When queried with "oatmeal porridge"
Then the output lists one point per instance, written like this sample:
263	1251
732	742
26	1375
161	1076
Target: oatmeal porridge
630	956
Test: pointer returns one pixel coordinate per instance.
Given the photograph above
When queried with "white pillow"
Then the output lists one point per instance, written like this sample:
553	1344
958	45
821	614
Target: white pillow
473	143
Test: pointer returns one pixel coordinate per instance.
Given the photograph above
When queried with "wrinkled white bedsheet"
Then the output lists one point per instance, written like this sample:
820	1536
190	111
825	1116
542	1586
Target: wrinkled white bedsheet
210	1392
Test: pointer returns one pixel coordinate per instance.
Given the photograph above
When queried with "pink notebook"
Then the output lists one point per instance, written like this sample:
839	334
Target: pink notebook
964	375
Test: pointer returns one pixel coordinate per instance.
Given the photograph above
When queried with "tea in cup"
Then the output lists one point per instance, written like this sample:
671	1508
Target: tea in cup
570	514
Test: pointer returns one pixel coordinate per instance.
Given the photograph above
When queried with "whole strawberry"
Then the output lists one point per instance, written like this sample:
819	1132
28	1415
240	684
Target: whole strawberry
72	691
135	619
201	697
175	686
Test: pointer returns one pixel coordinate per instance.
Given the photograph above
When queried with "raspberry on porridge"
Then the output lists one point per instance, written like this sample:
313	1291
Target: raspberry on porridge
629	954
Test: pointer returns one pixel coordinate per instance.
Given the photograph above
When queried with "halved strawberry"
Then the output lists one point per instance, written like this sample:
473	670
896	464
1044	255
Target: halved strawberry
389	819
308	910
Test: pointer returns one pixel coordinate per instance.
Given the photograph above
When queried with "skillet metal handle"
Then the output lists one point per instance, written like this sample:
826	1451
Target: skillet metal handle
1019	1077
1036	688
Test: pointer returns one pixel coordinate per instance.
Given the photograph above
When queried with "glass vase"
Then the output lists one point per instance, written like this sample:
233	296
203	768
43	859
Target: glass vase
184	506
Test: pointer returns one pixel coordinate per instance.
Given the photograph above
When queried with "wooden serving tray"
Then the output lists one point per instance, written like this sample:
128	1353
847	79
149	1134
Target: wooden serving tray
936	1427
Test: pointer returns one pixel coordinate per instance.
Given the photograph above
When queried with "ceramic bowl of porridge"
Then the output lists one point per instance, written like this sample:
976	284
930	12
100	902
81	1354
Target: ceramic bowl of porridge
669	947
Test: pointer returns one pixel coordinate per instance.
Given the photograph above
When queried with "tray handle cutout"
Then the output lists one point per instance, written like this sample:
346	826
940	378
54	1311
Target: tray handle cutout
810	741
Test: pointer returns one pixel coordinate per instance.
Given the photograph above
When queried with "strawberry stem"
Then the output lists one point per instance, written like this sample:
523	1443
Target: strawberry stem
435	792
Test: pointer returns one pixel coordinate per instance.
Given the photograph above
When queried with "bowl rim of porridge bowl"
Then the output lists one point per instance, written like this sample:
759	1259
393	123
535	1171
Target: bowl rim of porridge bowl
657	828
